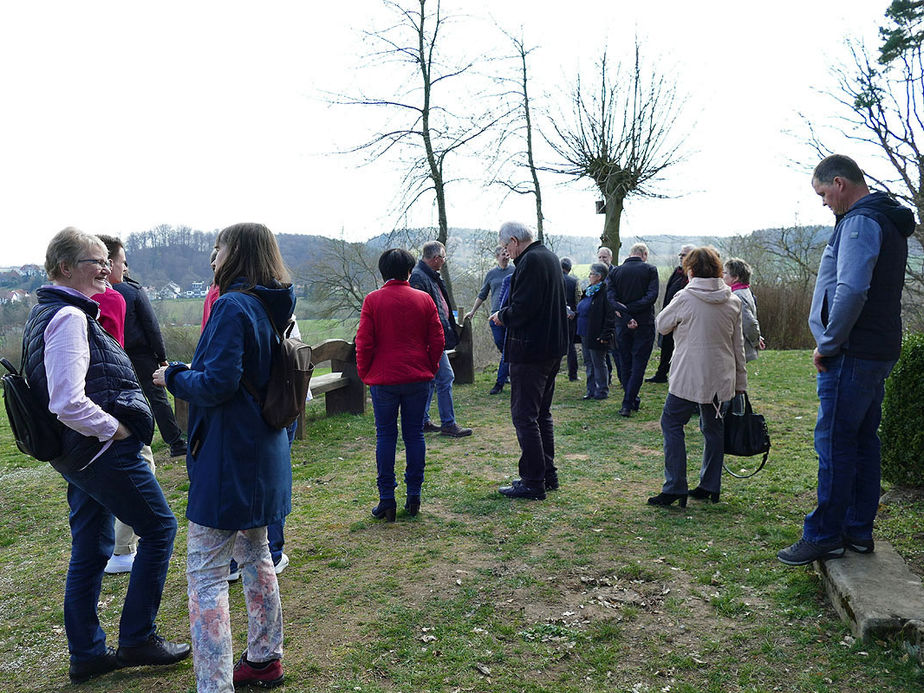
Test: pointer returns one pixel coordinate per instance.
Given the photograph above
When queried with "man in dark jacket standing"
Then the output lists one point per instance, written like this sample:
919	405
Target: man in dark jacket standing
535	316
856	320
572	296
677	281
632	289
426	278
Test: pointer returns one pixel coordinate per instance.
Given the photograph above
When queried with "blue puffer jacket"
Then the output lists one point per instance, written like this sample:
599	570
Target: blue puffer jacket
240	473
110	380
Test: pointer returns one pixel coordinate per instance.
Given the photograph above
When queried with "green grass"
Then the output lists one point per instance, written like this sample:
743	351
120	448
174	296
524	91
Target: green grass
589	590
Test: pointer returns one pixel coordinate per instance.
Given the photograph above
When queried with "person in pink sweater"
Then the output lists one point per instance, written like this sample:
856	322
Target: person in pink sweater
398	348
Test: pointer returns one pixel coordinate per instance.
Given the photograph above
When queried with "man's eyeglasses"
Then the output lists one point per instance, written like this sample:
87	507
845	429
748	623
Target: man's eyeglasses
103	264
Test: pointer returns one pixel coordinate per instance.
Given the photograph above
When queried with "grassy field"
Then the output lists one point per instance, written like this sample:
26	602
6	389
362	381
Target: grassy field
590	590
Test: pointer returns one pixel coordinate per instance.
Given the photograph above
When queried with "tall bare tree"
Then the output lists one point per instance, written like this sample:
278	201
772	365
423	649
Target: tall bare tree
519	126
622	135
430	129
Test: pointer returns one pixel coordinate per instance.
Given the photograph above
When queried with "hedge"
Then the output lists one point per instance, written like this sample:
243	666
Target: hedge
902	429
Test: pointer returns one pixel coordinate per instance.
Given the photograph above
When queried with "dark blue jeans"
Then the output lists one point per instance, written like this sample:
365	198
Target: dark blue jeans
503	370
118	483
532	386
849	410
411	400
634	350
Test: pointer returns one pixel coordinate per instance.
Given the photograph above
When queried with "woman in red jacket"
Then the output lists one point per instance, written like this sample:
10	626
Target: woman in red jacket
398	349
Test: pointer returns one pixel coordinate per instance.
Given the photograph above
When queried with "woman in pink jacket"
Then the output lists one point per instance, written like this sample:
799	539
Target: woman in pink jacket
707	370
398	348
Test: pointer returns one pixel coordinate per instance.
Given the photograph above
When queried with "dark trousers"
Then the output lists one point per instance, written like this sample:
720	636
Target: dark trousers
634	350
572	350
145	365
676	414
499	333
667	350
532	386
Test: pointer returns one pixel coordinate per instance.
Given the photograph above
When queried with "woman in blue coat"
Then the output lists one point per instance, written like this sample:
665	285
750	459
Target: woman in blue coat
240	474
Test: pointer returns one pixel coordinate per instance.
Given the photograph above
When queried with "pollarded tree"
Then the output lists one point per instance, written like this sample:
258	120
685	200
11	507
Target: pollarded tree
622	135
427	128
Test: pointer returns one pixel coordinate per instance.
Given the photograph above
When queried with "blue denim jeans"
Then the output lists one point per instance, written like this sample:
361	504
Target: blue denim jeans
387	400
676	414
503	370
596	372
442	383
118	483
849	409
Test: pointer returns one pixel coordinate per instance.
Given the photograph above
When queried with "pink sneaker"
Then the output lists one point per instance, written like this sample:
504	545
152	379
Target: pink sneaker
268	675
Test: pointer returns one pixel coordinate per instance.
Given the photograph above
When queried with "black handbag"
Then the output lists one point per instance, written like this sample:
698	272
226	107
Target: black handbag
746	435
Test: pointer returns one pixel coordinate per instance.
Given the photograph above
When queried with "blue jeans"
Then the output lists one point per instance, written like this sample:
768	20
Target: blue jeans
849	409
596	371
634	350
676	414
118	483
503	370
442	383
387	400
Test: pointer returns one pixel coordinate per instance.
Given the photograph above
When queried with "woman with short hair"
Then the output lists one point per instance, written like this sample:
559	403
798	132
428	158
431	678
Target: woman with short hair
84	378
240	473
738	276
707	370
596	322
399	344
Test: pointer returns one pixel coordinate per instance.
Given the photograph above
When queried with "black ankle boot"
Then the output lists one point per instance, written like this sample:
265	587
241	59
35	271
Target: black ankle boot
699	493
666	499
380	512
412	505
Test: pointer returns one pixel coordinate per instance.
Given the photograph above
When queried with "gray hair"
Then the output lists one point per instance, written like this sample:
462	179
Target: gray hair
66	247
737	267
600	269
638	250
686	248
514	229
431	249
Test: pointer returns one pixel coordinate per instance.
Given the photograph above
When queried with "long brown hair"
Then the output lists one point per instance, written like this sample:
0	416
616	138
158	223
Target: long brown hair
252	254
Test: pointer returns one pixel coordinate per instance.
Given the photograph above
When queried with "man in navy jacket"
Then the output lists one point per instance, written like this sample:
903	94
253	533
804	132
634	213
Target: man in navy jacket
632	289
535	315
856	321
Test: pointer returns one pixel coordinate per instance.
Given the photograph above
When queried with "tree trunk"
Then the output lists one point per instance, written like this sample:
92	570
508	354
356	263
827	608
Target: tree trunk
610	236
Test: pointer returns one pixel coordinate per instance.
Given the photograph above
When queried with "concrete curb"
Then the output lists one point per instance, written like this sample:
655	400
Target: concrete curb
876	595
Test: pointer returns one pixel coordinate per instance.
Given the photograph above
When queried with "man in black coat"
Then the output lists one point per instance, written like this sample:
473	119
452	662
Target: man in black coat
572	296
632	289
677	281
536	319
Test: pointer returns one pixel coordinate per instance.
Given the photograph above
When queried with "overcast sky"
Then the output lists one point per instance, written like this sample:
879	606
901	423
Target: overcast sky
118	116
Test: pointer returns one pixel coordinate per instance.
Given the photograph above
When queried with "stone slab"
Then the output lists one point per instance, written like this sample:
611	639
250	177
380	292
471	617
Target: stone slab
875	594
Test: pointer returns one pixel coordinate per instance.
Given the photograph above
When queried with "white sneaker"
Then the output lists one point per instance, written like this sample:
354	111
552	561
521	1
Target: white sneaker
282	565
120	564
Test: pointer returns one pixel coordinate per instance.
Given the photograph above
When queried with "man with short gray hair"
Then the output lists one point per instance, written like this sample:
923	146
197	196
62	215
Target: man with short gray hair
426	277
535	315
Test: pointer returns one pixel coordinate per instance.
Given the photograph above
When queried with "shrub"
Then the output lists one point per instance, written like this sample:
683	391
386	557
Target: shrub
902	429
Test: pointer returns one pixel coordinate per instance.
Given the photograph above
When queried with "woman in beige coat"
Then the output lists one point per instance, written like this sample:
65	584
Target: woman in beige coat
707	370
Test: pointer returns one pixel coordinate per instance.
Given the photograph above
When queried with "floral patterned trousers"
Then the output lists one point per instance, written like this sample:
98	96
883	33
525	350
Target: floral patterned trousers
209	551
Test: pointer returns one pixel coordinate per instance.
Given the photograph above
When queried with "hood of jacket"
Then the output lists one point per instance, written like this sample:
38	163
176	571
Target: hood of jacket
899	215
709	290
278	300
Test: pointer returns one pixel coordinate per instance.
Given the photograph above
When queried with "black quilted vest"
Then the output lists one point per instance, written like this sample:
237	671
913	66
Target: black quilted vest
111	382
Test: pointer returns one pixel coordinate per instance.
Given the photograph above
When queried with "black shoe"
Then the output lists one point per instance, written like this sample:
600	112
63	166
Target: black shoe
430	427
551	483
102	664
520	490
804	552
666	499
636	404
656	379
587	397
699	493
156	651
455	431
381	512
625	411
572	379
412	505
497	389
859	545
178	448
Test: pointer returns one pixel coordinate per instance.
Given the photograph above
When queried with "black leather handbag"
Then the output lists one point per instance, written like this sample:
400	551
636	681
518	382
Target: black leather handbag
746	435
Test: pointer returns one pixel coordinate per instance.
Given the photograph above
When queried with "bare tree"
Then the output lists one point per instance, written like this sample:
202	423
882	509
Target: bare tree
341	277
519	125
621	135
429	130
